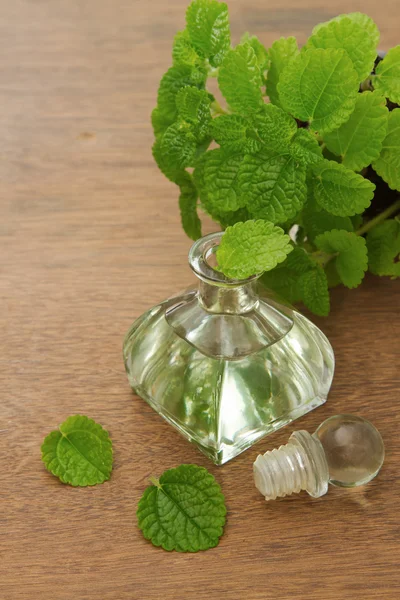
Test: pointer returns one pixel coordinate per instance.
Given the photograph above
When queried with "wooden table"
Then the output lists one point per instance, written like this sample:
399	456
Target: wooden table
90	238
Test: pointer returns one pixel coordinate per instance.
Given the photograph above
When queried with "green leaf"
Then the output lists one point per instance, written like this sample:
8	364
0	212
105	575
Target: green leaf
351	261
252	247
387	165
174	80
183	52
161	159
188	207
319	86
273	186
285	279
184	510
387	75
369	26
281	53
275	127
239	80
229	218
359	141
339	190
235	133
305	148
178	146
194	107
260	51
207	23
314	291
347	34
383	243
220	176
79	452
160	122
319	221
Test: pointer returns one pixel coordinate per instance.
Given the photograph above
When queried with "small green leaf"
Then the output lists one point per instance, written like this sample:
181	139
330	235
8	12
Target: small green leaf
194	107
305	148
183	52
318	221
220	175
319	86
191	223
79	452
359	141
351	261
387	165
178	146
239	80
285	279
368	25
275	127
184	510
174	80
260	51
383	243
207	23
170	171
160	122
281	53
314	291
273	186
339	190
235	133
387	75
252	247
347	34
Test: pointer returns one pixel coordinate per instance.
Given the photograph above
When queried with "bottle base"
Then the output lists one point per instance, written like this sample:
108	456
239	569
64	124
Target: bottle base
225	452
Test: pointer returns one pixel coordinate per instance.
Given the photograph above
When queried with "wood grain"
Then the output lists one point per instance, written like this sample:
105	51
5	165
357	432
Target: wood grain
90	237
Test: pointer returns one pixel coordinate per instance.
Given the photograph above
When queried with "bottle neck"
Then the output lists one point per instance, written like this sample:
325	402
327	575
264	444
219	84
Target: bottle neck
228	300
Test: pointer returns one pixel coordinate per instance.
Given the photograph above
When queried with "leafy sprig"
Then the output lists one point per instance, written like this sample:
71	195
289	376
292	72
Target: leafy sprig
290	151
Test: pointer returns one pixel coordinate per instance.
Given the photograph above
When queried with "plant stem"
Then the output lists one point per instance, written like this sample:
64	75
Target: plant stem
379	218
217	108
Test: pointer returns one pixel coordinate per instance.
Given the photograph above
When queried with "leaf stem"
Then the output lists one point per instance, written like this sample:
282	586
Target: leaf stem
379	218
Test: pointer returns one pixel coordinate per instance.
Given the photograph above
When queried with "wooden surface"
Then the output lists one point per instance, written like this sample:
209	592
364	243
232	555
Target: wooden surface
90	238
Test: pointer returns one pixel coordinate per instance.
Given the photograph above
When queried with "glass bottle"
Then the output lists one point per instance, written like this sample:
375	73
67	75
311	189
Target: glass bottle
224	362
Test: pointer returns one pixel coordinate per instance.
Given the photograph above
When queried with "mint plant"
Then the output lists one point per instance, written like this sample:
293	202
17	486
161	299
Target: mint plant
300	161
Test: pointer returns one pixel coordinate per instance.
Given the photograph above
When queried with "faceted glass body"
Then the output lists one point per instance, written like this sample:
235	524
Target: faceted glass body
225	364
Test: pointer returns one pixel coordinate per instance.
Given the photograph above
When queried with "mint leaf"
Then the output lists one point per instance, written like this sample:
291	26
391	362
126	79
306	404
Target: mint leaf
314	291
318	221
174	80
183	52
236	133
339	190
239	80
273	186
207	23
319	86
305	147
260	51
387	165
79	452
383	243
194	107
170	171
281	53
285	279
184	510
351	261
275	127
159	122
252	247
359	141
368	25
178	146
347	34
220	176
387	75
188	207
